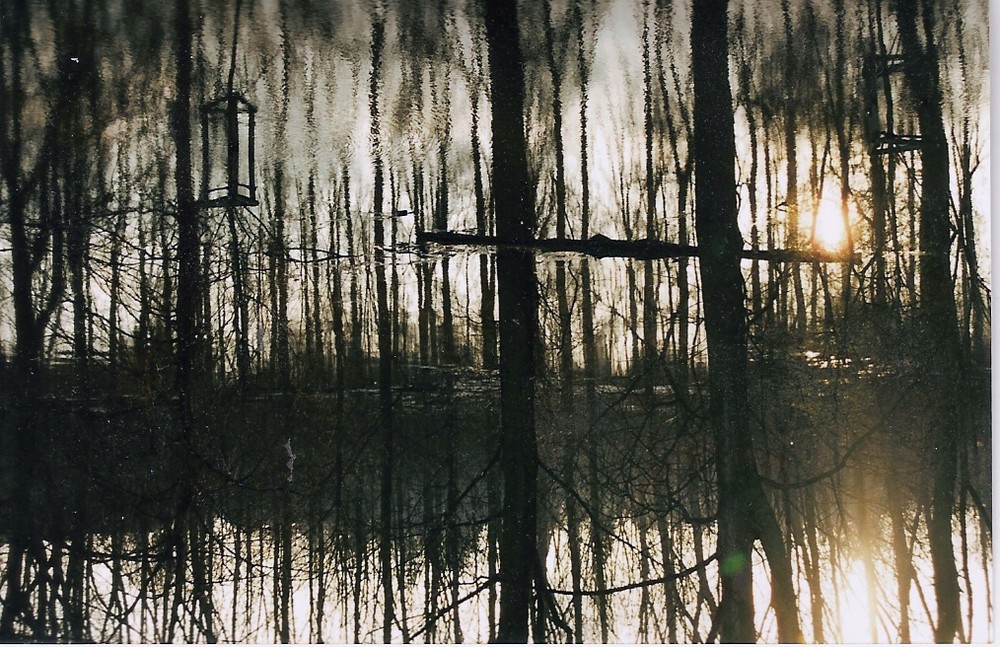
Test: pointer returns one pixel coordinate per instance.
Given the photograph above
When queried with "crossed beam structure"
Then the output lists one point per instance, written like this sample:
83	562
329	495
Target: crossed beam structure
601	246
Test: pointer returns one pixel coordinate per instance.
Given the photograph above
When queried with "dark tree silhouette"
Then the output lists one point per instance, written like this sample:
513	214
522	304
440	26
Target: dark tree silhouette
938	319
744	513
384	334
517	290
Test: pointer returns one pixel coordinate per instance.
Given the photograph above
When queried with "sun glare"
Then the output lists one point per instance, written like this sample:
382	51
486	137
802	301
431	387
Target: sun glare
829	233
855	610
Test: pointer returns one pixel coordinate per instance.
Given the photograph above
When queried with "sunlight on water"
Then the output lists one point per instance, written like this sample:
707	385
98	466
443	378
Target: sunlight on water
848	614
855	613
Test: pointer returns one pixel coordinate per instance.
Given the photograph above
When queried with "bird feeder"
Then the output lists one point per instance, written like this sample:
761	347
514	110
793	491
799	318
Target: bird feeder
227	152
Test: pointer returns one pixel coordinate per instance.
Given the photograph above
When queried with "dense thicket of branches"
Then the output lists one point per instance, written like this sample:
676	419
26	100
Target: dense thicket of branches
290	421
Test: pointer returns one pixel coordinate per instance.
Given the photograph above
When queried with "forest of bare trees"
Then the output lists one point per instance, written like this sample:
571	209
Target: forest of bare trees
486	320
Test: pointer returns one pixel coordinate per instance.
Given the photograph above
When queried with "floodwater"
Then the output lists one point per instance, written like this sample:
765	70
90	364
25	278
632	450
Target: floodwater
200	301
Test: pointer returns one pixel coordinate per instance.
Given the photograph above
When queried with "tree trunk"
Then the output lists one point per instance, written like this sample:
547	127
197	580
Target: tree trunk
188	245
518	321
725	326
355	352
565	344
441	207
744	512
938	317
791	196
240	300
384	339
744	85
649	309
487	320
878	181
842	121
280	358
453	529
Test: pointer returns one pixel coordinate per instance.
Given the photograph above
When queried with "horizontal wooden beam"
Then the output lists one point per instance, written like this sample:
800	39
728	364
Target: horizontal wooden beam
886	143
603	247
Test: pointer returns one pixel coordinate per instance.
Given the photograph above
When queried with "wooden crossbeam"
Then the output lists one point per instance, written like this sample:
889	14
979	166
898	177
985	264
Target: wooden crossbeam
886	143
891	63
600	246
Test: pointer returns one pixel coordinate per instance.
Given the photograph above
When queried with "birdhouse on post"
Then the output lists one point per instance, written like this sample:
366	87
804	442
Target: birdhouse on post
227	152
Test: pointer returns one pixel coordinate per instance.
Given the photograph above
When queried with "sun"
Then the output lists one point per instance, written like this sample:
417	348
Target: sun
829	233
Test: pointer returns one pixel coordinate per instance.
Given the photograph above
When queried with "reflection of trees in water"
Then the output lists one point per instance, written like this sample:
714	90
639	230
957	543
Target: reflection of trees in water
194	404
268	552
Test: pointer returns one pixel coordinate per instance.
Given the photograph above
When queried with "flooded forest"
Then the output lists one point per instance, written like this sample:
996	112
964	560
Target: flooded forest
485	320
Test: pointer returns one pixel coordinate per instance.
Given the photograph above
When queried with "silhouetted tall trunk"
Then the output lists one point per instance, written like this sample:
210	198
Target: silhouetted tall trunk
744	513
402	557
574	538
188	245
791	149
872	127
565	327
587	316
452	529
493	530
305	294
904	255
487	319
599	541
518	321
114	316
682	171
744	75
648	287
384	336
937	312
432	556
278	277
237	256
719	240
842	123
241	313
424	273
30	316
398	333
812	567
642	523
360	566
583	54
441	223
315	361
355	351
565	331
188	298
772	301
672	601
974	306
340	361
77	250
68	183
